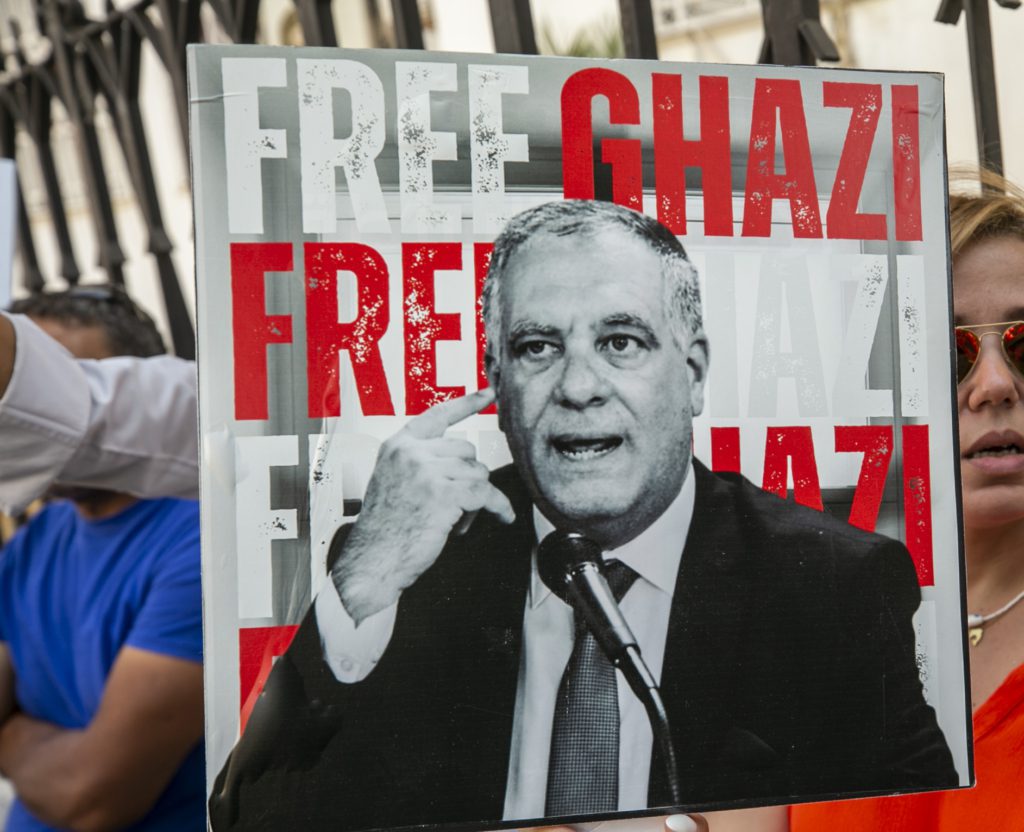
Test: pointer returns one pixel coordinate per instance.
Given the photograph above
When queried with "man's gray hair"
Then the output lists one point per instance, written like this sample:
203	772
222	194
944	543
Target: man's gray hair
564	218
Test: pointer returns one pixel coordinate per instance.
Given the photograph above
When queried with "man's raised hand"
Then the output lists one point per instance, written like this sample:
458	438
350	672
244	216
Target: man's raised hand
424	486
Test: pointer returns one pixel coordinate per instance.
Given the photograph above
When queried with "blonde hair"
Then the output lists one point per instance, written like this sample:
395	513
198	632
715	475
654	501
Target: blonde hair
996	210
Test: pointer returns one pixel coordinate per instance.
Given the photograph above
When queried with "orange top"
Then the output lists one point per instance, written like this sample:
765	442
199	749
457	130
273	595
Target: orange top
996	803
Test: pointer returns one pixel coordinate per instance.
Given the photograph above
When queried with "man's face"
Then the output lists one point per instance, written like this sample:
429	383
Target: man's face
988	286
595	395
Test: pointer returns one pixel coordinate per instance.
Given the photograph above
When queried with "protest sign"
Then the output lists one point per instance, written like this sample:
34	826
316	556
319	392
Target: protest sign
347	203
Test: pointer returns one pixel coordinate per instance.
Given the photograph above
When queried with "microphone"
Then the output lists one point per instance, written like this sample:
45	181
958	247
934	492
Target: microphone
572	567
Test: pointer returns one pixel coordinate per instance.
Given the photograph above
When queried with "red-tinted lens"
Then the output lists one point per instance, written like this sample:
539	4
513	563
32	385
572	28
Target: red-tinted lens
967	348
1013	346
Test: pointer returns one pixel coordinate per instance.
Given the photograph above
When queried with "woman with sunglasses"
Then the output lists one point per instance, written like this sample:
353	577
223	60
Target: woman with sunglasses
987	239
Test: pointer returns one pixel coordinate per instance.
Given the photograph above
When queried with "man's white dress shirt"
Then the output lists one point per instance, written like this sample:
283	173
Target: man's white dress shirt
352	652
127	424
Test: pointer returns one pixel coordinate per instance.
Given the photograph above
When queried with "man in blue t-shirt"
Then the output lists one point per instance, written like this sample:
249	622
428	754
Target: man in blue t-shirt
101	684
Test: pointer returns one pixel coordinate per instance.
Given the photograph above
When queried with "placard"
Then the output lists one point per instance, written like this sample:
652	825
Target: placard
747	262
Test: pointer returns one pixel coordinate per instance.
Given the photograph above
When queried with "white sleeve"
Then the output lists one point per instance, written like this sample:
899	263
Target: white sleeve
351	651
127	424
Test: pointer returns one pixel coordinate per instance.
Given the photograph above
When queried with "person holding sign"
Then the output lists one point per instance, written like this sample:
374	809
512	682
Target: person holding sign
987	244
441	677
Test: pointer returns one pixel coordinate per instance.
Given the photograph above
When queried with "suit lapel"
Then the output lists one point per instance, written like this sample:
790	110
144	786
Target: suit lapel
710	615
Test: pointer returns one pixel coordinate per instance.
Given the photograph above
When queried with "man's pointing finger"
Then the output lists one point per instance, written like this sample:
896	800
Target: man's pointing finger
434	422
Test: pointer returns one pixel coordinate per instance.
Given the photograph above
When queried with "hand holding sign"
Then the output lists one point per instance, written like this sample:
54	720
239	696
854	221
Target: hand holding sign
423	486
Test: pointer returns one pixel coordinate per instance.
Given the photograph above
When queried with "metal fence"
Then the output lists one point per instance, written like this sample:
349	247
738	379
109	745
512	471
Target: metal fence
93	66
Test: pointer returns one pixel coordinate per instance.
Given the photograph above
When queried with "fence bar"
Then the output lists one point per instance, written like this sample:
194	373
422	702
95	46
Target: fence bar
793	34
73	90
408	25
983	74
38	122
28	98
512	24
983	84
116	64
179	26
317	22
638	29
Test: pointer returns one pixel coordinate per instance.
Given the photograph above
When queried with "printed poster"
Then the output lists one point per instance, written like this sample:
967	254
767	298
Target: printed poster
695	545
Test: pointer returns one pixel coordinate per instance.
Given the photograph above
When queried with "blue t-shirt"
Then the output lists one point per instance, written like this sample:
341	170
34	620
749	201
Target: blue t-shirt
73	592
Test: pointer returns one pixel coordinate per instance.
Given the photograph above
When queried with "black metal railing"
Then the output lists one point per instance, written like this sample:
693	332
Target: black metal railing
89	61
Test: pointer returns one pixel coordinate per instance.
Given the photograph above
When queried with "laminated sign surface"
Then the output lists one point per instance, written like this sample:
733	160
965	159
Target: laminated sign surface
577	438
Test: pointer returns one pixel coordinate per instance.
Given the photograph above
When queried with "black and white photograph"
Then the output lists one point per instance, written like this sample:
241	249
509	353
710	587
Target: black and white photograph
578	435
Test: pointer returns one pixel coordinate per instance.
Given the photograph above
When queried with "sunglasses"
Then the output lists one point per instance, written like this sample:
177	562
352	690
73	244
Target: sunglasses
968	345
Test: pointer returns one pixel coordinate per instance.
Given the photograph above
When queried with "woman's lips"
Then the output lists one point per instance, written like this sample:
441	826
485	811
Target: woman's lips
997	452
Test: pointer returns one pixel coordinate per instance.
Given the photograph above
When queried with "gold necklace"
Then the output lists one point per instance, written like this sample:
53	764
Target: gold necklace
976	622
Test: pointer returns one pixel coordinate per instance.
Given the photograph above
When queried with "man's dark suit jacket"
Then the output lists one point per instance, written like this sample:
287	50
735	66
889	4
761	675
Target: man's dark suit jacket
789	672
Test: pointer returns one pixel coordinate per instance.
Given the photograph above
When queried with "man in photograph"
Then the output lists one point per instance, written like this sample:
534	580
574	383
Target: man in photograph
438	679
